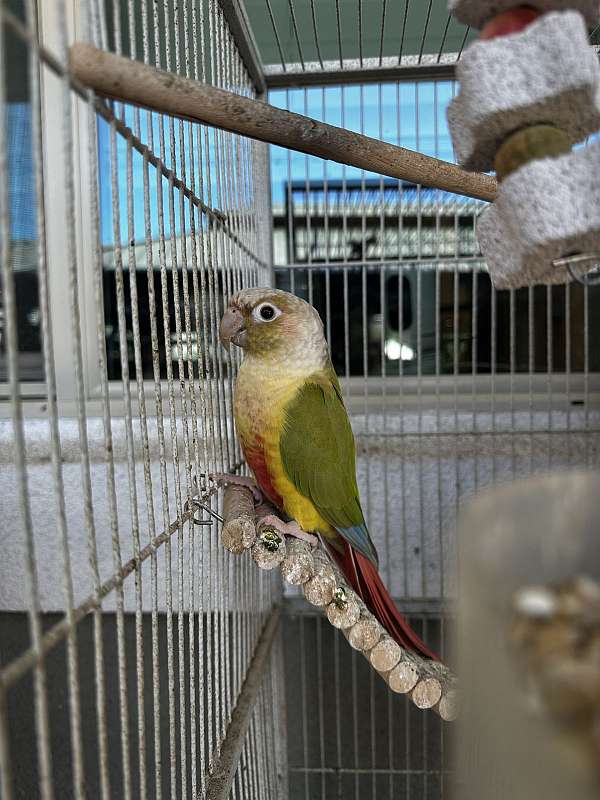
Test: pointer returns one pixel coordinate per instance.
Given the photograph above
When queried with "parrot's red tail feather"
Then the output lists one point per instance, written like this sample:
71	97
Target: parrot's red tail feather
364	578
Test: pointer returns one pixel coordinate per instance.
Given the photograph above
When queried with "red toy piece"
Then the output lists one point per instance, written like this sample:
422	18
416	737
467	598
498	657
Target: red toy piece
511	21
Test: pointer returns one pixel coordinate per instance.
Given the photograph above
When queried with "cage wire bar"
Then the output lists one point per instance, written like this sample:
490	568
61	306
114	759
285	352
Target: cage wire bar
139	642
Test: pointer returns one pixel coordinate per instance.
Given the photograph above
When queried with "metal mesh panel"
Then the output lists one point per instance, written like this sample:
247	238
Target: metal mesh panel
131	631
451	387
349	736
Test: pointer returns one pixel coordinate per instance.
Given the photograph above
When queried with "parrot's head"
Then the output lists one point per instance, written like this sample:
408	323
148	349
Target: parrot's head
272	322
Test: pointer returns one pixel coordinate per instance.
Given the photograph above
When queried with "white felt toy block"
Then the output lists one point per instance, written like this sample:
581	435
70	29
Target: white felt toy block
477	12
547	209
546	74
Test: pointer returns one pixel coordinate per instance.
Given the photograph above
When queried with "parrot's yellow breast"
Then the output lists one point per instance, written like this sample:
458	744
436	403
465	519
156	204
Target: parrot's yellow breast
261	397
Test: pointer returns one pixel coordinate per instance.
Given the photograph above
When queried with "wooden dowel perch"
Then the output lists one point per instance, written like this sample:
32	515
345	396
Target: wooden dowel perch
429	684
145	86
239	530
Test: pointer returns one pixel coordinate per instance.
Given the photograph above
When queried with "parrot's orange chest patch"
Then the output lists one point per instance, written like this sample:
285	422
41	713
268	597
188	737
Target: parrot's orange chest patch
255	457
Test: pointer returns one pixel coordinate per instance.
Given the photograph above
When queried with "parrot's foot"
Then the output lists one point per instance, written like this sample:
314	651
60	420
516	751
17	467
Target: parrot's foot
223	479
290	529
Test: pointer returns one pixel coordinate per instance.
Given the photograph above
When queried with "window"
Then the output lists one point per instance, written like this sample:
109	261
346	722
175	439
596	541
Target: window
407	256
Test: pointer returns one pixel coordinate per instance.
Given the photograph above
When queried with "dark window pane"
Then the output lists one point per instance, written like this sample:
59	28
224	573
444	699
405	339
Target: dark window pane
22	208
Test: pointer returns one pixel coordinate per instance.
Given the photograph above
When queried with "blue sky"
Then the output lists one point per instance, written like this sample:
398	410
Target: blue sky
21	188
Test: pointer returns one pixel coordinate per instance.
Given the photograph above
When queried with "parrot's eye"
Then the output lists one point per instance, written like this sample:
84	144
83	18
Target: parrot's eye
266	312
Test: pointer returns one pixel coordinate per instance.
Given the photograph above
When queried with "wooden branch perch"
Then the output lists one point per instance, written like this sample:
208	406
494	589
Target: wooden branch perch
429	684
145	86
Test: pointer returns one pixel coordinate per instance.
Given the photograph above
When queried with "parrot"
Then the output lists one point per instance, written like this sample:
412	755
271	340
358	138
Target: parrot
296	437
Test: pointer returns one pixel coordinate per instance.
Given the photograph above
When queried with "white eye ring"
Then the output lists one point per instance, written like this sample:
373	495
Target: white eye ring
266	308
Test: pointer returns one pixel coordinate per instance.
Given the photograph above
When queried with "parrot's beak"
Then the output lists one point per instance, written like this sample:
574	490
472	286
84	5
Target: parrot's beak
233	328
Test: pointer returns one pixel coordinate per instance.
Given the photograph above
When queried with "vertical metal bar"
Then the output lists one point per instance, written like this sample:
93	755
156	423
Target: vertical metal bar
303	687
296	34
382	350
339	33
531	369
51	395
423	554
455	320
403	34
443	771
23	500
206	685
139	637
144	431
315	33
85	457
407	752
513	369
568	367
550	367
6	776
425	28
424	721
307	207
162	457
195	459
365	316
320	701
176	136
360	33
494	367
391	748
142	767
456	427
373	736
231	281
338	715
382	30
422	551
100	698
124	356
438	432
195	245
277	39
214	301
401	399
365	365
586	373
167	349
437	367
355	724
402	430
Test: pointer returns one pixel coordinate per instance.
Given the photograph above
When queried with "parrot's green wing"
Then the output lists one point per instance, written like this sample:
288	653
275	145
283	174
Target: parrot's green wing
317	451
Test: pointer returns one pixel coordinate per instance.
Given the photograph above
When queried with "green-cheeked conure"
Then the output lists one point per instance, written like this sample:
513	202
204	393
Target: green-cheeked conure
297	440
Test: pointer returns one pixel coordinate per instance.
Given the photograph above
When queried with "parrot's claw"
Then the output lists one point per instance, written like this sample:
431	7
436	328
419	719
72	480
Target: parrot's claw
290	529
221	479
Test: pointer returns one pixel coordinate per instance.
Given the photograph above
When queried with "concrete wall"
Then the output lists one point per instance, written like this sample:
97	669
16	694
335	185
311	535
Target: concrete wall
413	473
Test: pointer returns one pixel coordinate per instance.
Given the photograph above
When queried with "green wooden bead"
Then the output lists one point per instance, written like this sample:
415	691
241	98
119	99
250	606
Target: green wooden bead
528	144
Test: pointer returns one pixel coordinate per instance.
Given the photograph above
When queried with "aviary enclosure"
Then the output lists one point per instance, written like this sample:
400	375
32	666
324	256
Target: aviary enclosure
138	657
